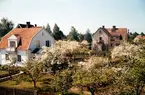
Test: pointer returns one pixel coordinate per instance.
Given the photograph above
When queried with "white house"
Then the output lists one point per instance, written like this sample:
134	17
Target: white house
23	41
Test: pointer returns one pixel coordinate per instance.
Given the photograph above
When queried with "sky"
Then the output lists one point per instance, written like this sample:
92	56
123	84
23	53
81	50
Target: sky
82	14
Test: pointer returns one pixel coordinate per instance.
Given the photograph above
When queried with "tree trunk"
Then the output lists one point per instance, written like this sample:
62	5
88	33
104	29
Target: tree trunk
141	89
34	83
92	93
137	90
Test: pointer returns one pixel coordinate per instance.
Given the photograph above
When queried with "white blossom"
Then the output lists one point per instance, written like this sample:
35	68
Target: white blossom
125	49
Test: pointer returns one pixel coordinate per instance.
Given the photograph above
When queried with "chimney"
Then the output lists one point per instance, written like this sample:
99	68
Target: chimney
28	24
114	27
35	25
103	26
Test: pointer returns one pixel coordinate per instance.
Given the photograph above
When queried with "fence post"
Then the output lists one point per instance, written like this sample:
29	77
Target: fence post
14	91
35	92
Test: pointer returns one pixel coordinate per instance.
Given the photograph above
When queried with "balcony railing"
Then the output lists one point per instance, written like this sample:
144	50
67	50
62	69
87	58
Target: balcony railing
11	49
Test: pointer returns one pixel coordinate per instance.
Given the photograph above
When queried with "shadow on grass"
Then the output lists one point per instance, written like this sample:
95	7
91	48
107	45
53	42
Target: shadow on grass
71	93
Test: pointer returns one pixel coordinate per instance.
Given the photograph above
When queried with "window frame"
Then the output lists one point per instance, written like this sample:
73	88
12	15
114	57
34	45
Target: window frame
47	43
19	58
12	44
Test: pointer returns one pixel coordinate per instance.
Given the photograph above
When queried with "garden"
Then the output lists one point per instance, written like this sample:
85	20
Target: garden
70	68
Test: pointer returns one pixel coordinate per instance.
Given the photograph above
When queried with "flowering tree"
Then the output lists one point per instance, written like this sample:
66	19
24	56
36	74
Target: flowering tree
93	74
125	50
94	62
60	54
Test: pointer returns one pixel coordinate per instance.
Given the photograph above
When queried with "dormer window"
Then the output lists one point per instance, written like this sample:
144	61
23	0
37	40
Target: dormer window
12	44
13	41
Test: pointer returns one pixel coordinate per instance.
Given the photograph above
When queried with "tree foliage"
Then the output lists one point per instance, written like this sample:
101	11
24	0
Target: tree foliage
132	72
88	36
73	35
125	50
5	26
59	56
57	33
63	81
48	28
34	69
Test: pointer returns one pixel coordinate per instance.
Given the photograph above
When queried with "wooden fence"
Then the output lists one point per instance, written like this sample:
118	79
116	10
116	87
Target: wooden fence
13	91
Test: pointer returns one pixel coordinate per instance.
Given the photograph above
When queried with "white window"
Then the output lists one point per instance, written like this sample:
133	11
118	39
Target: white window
12	44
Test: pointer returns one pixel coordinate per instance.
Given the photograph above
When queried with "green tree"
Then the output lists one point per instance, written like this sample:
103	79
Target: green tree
73	35
88	36
5	26
81	37
48	28
142	34
132	72
93	75
11	66
131	36
63	81
57	33
34	70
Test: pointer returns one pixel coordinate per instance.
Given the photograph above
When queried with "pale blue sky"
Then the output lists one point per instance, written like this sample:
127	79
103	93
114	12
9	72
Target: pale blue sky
81	14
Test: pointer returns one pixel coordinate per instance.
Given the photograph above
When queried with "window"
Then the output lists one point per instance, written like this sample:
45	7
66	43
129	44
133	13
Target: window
42	33
100	38
38	43
7	57
100	32
47	43
111	45
19	58
12	44
117	44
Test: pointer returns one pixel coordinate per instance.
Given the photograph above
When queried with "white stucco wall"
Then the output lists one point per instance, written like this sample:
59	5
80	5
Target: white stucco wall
42	36
97	36
3	61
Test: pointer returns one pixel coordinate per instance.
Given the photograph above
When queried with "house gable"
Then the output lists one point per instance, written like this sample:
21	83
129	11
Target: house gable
40	39
13	37
101	33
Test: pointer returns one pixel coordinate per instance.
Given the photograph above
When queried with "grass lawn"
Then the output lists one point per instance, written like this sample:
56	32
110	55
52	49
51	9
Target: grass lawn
3	73
21	85
20	82
23	82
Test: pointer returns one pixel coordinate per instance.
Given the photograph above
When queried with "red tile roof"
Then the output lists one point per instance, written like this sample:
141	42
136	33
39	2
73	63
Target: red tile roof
25	34
140	37
118	32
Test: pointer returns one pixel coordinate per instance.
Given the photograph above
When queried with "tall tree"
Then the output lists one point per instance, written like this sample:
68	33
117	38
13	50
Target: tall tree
57	33
81	37
88	36
73	35
142	34
5	26
48	28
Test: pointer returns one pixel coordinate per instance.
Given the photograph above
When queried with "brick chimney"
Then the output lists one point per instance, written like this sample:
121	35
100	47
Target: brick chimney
114	28
103	26
28	24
